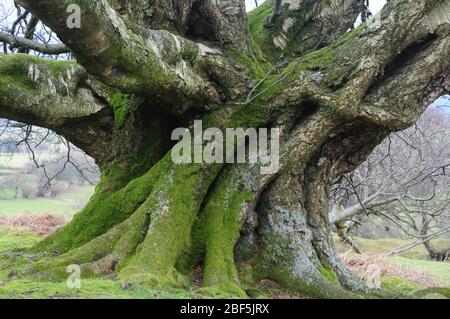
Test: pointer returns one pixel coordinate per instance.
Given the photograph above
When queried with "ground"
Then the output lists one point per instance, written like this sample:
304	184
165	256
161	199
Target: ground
109	287
21	220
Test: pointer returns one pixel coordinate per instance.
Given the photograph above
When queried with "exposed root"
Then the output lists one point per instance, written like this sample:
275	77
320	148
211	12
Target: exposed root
104	211
218	228
176	202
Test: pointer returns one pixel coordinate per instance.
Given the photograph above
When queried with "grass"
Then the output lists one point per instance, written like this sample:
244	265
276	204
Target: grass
35	206
65	204
400	285
440	270
383	246
12	239
90	288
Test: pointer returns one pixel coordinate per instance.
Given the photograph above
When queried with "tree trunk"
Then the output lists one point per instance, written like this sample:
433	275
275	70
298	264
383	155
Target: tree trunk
152	221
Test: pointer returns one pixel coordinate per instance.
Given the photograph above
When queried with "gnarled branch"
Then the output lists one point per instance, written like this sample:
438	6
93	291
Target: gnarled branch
55	95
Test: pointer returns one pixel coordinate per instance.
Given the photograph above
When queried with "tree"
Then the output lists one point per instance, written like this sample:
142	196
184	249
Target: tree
404	181
145	68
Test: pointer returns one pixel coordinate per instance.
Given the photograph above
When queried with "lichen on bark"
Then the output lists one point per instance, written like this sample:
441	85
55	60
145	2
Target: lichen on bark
153	222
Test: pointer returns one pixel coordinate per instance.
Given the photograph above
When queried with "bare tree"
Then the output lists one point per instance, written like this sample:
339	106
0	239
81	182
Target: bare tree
405	181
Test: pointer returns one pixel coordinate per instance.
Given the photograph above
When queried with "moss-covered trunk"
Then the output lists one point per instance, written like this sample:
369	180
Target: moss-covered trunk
152	221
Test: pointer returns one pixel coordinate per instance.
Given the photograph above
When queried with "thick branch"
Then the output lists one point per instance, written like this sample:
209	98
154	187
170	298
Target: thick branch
165	67
387	71
221	22
24	43
295	27
55	95
367	204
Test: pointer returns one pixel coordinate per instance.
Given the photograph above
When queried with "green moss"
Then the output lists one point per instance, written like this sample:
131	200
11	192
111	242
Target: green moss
12	239
14	69
174	204
104	210
443	291
147	279
262	36
320	289
222	292
399	285
217	231
252	115
328	274
256	65
121	105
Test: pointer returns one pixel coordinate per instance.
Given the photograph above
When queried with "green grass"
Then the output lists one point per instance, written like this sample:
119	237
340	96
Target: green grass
90	288
65	204
383	246
441	270
400	285
11	239
35	206
404	288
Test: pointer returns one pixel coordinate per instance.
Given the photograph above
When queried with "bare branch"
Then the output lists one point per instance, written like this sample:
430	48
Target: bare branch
24	43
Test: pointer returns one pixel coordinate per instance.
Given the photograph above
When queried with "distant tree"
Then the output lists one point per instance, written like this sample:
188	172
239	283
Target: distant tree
405	181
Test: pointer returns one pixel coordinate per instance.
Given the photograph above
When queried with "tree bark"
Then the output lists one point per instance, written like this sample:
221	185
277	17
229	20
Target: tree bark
152	221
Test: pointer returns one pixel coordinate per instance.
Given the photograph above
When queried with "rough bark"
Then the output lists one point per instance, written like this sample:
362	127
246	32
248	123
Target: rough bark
298	26
152	221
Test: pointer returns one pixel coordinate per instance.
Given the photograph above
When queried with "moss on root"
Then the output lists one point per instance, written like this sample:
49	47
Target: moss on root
104	210
217	230
173	211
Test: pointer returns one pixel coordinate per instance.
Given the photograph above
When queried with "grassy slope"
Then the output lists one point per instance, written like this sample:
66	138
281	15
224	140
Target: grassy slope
440	270
63	205
384	246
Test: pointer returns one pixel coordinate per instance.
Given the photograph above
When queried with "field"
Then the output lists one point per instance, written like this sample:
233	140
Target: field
15	166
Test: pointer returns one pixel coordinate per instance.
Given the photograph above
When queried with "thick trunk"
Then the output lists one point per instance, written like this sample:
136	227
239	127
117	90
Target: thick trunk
152	221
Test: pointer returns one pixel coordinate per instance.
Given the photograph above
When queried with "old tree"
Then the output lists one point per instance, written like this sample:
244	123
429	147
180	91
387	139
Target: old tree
144	68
